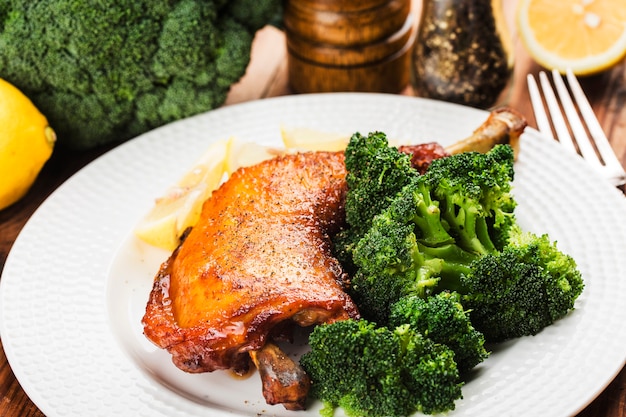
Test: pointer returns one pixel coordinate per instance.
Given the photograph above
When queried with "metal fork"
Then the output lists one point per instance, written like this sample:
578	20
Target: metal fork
589	140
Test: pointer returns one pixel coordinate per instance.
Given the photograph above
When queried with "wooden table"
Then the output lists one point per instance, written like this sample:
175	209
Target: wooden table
267	77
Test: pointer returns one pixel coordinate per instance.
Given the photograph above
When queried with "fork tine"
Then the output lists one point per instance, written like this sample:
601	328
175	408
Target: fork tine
560	127
602	143
592	143
538	109
577	127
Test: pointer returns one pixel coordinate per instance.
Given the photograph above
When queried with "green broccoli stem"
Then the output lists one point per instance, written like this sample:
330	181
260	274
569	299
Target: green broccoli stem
484	236
439	267
438	258
470	227
404	338
428	219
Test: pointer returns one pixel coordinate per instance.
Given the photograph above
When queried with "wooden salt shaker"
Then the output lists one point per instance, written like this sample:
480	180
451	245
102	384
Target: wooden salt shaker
349	45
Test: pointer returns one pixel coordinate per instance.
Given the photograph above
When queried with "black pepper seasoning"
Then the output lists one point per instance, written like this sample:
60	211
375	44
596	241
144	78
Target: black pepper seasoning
460	54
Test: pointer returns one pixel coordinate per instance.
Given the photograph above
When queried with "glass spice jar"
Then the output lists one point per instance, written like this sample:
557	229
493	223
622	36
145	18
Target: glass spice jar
462	53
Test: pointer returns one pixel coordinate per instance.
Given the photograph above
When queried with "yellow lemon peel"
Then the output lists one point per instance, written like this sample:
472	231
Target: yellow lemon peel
26	143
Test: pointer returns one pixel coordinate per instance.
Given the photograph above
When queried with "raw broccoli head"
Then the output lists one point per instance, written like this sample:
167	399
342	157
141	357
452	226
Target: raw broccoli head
375	371
443	319
105	71
526	287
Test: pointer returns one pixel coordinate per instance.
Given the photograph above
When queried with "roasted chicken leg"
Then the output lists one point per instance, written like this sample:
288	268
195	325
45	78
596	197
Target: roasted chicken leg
259	256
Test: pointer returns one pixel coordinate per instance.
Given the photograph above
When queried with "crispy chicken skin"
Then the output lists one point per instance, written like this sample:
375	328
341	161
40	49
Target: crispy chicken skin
259	256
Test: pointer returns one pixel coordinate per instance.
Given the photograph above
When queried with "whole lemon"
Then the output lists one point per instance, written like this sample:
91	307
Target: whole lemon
26	143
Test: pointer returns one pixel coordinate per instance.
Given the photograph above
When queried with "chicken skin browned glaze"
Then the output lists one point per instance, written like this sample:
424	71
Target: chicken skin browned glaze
260	256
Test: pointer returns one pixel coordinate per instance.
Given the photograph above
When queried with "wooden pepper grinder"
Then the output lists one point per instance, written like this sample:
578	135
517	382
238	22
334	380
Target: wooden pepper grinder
348	45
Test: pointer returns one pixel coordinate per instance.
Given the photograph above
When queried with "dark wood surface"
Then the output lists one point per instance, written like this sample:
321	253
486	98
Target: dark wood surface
267	77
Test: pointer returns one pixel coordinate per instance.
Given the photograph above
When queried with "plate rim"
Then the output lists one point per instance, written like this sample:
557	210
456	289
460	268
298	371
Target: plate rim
40	400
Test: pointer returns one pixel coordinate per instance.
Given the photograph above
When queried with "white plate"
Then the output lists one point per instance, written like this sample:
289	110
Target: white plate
76	281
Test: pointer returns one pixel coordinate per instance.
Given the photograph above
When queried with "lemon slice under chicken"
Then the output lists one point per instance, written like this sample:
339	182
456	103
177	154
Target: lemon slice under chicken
179	208
304	139
181	204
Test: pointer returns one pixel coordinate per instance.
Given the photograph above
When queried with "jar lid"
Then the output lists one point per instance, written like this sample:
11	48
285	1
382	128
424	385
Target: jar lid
342	5
348	28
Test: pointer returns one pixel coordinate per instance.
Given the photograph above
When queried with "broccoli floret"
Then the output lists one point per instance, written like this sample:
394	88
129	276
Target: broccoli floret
374	371
443	319
376	172
454	229
384	277
526	287
474	194
433	230
442	268
105	71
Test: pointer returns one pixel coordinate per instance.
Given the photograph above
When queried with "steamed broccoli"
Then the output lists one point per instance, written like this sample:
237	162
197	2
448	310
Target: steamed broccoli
376	173
453	229
521	290
105	71
376	371
440	222
441	266
444	320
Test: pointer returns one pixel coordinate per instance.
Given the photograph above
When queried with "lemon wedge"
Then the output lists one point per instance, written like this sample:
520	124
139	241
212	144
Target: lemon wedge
304	139
243	154
587	36
180	206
